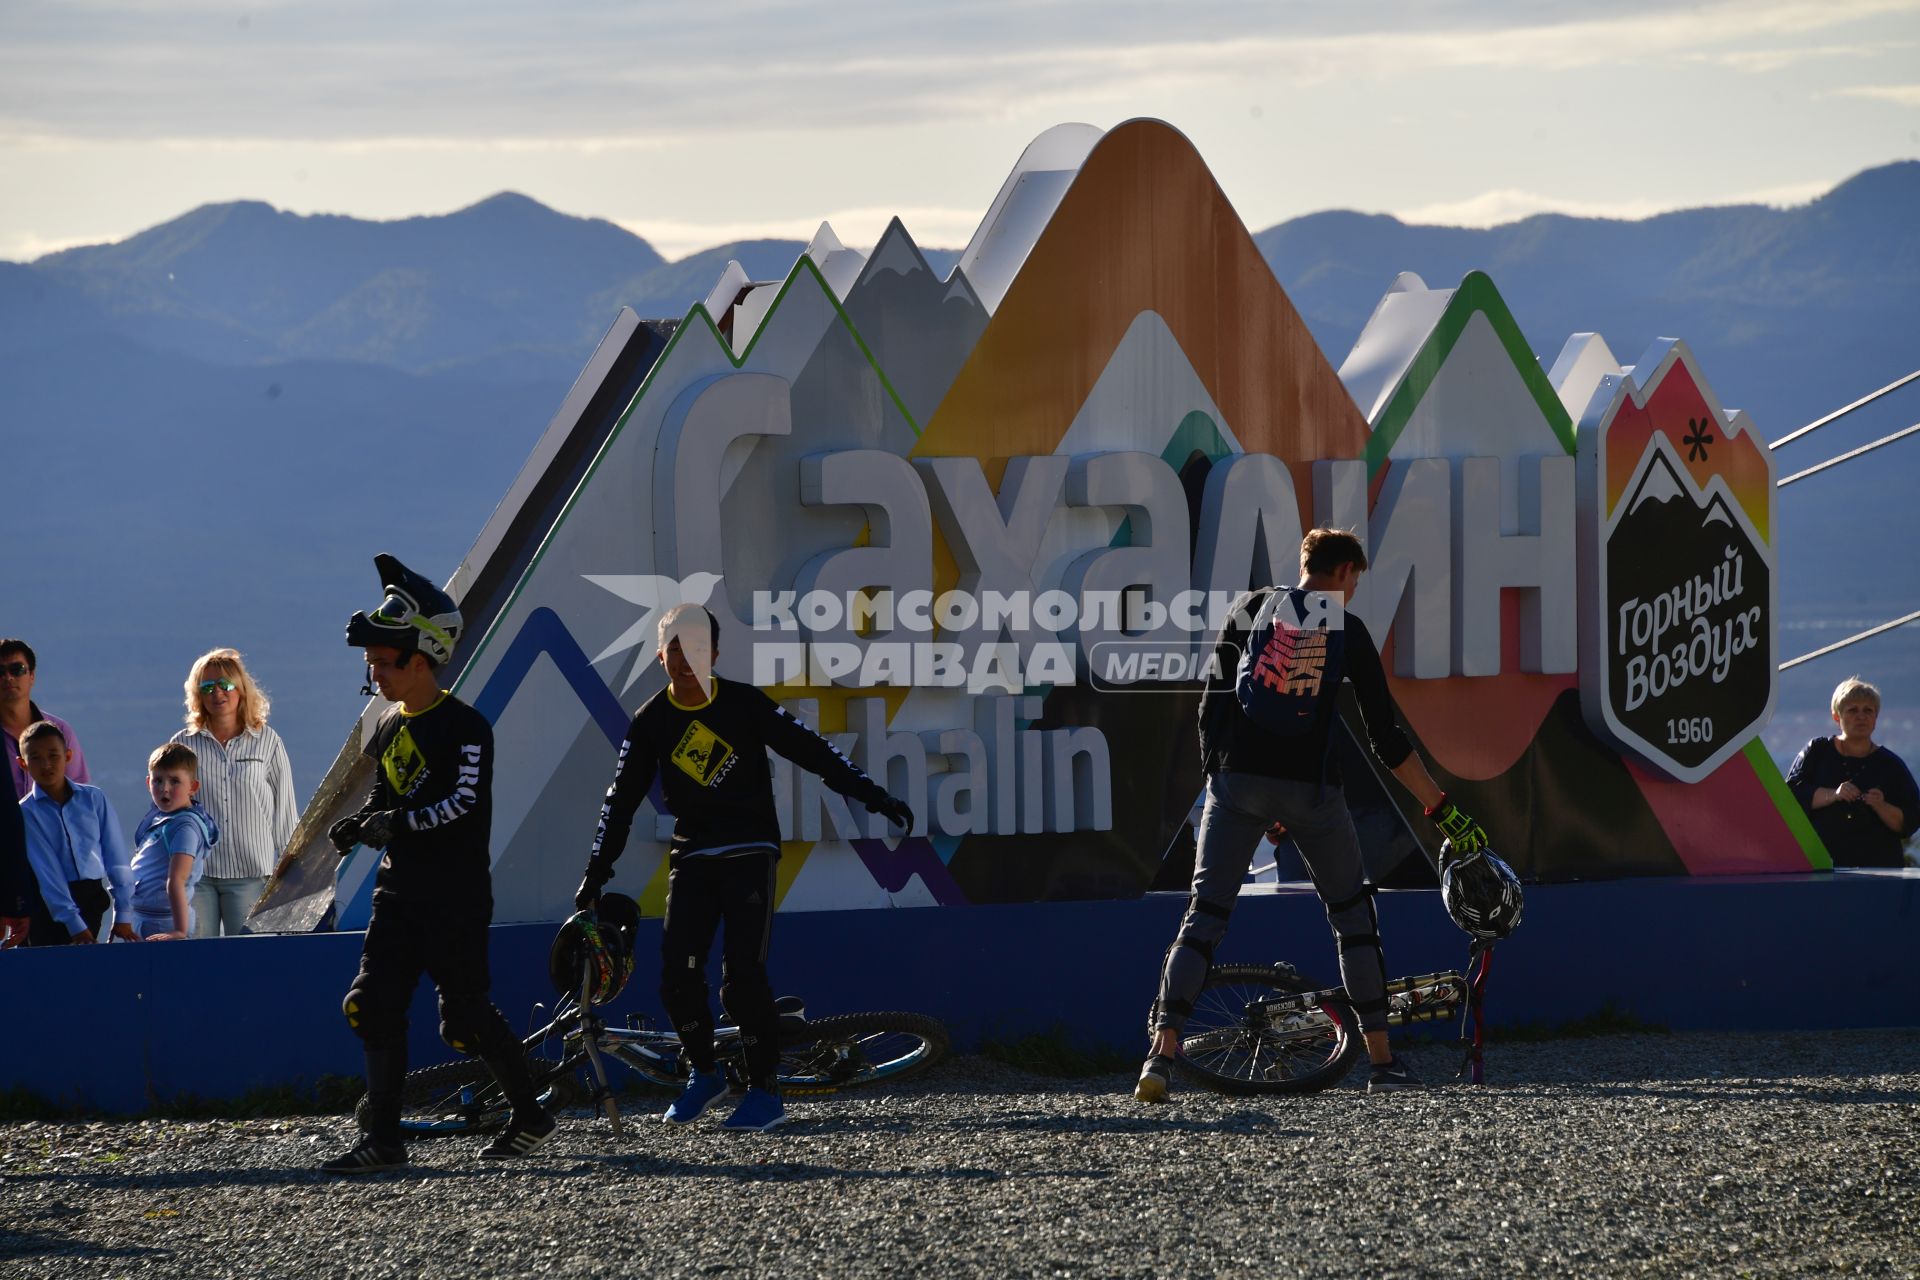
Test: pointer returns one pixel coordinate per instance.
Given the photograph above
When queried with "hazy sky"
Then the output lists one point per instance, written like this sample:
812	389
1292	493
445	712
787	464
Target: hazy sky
693	124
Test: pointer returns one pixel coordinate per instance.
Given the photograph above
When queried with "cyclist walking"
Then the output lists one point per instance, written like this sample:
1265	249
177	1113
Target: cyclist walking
1266	720
706	739
431	810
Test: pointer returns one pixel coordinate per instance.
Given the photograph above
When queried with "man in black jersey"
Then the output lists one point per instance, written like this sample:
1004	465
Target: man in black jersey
431	810
707	740
1257	779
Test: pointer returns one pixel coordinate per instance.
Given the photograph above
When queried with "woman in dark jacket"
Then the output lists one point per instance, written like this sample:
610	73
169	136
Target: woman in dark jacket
1861	796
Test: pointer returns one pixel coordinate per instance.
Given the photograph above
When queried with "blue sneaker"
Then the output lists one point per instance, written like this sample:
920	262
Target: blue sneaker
758	1112
702	1088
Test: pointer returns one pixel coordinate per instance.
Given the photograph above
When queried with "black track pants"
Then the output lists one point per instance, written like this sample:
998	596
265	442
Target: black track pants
702	894
404	941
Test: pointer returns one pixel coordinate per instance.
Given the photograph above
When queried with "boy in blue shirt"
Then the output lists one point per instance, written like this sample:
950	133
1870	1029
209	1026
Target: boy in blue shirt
170	846
74	842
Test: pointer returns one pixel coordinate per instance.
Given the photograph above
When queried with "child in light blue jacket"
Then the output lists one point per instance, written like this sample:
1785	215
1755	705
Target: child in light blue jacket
170	846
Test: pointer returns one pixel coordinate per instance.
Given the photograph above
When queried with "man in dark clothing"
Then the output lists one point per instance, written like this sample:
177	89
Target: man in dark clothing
707	740
431	810
20	901
1257	778
19	890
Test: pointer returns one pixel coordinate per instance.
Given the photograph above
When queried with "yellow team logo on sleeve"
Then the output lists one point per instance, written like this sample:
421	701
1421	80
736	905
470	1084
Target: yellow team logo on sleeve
701	753
403	762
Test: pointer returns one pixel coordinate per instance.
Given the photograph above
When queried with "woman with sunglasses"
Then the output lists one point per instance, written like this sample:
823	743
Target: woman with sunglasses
246	784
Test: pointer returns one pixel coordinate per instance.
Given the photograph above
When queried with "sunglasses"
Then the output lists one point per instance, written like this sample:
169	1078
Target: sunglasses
208	686
15	668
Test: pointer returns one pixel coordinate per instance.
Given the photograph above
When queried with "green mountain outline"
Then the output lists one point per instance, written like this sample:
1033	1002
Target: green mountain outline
1476	295
802	265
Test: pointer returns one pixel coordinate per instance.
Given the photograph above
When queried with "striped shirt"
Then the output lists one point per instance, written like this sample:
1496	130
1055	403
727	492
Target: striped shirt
247	785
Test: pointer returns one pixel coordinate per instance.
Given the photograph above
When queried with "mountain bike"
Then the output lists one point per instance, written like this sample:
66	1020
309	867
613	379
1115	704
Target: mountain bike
817	1056
1268	1029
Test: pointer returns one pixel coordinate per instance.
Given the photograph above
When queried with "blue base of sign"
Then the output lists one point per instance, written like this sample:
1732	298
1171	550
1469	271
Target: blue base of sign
119	1028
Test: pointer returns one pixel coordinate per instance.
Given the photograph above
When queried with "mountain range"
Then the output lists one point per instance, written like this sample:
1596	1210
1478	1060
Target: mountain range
197	417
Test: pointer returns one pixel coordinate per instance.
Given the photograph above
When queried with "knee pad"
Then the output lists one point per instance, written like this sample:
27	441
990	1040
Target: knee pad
462	1019
1204	924
1356	927
1354	916
373	1019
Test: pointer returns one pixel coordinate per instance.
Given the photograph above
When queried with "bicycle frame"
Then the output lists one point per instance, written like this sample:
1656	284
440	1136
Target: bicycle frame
1426	997
654	1054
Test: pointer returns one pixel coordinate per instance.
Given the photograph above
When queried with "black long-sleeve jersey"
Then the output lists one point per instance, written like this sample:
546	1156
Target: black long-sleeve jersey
712	765
1231	740
436	768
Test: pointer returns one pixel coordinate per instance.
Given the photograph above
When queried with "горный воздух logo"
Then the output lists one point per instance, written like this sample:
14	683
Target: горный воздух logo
1687	652
1678	580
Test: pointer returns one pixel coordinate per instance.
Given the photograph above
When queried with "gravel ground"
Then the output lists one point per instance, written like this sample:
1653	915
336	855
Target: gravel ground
1624	1155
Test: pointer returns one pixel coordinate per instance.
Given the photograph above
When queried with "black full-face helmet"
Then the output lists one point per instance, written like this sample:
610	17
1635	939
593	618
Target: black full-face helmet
594	950
1482	893
414	617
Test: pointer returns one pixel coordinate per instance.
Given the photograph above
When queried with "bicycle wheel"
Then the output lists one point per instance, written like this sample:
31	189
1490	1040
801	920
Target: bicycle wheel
1233	1043
463	1097
860	1048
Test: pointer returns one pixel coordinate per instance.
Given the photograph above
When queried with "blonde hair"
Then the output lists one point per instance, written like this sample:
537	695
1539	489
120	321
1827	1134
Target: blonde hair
213	664
1854	689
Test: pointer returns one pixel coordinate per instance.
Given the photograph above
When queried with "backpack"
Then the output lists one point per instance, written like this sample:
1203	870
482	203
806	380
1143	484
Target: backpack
1293	662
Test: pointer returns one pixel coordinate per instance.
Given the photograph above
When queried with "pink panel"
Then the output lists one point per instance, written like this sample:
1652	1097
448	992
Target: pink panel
1724	824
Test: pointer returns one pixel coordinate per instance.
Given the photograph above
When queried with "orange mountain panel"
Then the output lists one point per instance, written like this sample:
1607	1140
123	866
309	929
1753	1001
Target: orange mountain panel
1677	409
1144	227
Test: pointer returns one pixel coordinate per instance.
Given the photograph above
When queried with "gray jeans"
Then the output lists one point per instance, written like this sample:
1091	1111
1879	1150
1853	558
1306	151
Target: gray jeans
1239	809
221	904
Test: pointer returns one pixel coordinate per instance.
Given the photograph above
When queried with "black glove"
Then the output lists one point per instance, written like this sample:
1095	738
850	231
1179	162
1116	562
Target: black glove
376	829
894	810
1466	835
345	834
598	873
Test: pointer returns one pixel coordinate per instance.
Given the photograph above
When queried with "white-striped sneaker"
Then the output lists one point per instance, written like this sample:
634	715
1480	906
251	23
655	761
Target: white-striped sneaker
368	1156
520	1137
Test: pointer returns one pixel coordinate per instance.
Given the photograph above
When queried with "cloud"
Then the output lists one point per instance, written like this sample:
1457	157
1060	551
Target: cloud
1766	61
351	70
930	227
590	145
1901	95
1495	208
25	246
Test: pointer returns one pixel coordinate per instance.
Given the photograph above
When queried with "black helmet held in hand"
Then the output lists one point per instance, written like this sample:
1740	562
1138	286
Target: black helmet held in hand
594	950
1482	893
414	617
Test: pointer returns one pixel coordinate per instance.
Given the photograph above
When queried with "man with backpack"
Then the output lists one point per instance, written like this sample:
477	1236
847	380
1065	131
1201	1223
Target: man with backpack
1266	724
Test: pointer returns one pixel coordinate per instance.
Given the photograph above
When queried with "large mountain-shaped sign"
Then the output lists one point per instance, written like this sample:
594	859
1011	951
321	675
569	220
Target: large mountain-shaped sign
1677	568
